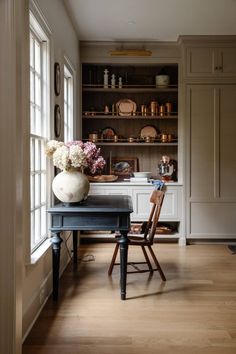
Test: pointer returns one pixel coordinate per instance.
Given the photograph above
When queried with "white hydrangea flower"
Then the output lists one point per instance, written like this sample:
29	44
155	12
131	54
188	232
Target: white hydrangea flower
61	158
77	156
51	147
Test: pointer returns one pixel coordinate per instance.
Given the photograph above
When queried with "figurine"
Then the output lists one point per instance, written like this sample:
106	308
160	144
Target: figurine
113	81
120	82
167	169
105	85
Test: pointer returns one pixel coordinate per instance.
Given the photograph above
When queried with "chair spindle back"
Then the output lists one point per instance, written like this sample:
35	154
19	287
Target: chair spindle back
157	200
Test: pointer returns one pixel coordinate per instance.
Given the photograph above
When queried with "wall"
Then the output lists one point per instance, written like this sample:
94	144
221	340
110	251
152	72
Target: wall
13	110
37	278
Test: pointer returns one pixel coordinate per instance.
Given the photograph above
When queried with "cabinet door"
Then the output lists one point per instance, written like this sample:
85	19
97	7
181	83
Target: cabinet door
227	142
202	117
201	62
211	62
171	208
212	141
227	62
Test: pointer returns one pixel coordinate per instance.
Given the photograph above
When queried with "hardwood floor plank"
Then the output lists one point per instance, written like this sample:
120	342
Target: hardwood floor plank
194	312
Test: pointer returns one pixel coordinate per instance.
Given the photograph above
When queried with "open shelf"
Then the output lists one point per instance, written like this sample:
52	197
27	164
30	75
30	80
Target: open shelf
134	117
134	144
130	89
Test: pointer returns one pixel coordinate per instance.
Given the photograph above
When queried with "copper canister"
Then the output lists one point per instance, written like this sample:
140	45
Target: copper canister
143	110
169	137
162	110
169	107
153	108
93	137
164	138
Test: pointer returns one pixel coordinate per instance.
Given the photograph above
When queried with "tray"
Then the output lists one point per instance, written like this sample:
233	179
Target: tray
102	178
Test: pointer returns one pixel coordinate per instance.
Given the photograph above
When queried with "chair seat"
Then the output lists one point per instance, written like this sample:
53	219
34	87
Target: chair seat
138	240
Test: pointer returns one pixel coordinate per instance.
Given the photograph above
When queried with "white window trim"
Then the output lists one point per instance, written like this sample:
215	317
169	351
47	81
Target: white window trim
38	17
72	72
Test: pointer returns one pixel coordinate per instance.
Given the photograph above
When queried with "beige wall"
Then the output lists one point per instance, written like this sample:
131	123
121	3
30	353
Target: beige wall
64	42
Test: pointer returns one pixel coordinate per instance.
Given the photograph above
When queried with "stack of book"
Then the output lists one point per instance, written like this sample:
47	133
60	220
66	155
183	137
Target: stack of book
139	179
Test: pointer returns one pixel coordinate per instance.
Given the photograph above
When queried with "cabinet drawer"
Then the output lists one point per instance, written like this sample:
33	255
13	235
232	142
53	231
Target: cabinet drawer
119	190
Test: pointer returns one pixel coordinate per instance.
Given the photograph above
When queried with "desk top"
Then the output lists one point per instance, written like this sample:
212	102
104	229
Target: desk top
97	203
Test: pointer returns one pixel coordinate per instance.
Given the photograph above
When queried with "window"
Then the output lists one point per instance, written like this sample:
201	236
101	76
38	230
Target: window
39	130
68	103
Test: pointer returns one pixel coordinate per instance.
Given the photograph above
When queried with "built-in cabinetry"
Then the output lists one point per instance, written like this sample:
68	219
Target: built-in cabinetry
208	61
100	111
172	209
211	143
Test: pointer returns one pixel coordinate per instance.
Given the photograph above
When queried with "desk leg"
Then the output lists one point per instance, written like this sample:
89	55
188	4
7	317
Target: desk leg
75	245
56	250
123	242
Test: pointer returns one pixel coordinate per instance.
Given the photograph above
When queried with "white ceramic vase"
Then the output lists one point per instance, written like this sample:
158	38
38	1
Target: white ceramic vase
70	186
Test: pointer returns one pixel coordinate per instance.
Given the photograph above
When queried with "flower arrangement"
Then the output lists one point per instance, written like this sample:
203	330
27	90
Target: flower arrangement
75	155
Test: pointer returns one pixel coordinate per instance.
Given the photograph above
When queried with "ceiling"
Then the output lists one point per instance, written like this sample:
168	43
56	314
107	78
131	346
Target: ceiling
151	20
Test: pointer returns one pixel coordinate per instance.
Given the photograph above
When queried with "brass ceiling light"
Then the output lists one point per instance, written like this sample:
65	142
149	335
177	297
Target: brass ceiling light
131	53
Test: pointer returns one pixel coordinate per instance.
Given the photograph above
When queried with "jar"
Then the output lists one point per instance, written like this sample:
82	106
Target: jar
162	80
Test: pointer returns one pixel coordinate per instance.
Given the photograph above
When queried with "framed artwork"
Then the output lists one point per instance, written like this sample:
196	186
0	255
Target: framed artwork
124	167
57	79
57	121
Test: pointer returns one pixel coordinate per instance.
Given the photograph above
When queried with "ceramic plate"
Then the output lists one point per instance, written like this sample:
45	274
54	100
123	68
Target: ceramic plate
148	131
126	107
108	133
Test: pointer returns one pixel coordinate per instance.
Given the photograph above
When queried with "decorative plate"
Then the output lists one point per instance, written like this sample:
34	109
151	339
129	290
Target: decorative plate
148	131
126	107
102	178
57	79
108	133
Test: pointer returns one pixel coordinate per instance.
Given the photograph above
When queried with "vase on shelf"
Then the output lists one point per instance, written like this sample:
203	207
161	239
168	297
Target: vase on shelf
70	186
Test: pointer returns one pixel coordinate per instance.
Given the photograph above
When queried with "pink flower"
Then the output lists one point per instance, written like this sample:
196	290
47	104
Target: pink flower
75	155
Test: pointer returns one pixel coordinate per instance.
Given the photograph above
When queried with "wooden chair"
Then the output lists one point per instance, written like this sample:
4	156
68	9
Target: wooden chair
146	239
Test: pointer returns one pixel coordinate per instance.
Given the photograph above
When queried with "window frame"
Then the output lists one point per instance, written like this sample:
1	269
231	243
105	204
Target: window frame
39	29
69	75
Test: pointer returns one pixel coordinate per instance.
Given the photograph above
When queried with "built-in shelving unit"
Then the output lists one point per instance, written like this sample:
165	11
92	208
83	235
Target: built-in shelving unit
99	111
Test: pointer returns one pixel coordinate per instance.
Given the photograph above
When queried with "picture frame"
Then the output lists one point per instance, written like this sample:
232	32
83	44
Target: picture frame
57	79
123	167
57	121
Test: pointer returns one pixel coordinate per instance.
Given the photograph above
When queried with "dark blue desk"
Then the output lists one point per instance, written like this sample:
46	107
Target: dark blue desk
100	212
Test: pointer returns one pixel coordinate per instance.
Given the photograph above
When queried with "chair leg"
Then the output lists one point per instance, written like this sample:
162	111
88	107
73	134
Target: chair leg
113	259
147	259
157	263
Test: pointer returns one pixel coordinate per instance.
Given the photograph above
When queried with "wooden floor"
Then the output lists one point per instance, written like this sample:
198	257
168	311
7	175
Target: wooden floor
193	312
